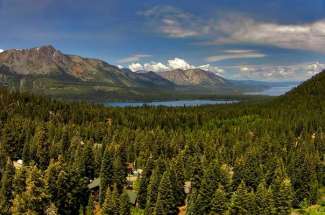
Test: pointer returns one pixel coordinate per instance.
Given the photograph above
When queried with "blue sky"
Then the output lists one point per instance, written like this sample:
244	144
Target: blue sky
255	39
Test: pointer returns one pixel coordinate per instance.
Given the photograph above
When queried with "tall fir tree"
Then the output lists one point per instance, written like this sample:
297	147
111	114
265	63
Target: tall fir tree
125	206
144	182
35	199
166	202
90	206
19	182
177	172
209	183
111	204
219	202
6	191
106	174
264	200
152	191
240	201
88	161
42	147
283	198
119	174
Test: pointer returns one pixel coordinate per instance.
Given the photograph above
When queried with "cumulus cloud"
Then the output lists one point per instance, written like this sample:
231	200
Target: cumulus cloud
134	67
172	64
178	63
234	29
1	50
235	54
155	67
289	72
133	58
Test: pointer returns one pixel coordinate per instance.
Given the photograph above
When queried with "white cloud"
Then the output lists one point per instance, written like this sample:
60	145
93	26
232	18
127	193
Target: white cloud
134	67
289	72
155	67
214	69
178	63
133	58
235	54
1	50
308	36
120	66
173	22
172	64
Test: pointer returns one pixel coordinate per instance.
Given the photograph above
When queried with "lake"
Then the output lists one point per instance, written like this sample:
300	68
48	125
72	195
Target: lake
174	103
274	91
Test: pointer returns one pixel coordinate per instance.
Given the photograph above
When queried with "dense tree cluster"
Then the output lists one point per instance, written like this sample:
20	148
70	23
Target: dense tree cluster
246	158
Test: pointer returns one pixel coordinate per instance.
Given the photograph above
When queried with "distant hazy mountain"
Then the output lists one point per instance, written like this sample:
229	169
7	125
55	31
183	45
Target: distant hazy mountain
198	79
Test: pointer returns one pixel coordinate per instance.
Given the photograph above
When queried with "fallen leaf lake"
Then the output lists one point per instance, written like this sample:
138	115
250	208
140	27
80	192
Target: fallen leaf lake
273	91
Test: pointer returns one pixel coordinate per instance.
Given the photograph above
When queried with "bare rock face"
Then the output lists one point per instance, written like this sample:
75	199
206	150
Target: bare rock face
36	61
47	60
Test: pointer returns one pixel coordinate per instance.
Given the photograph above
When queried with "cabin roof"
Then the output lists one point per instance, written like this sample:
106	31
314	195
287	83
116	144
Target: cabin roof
132	194
95	183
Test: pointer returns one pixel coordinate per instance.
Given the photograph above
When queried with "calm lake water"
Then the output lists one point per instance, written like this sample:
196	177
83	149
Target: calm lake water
274	91
176	103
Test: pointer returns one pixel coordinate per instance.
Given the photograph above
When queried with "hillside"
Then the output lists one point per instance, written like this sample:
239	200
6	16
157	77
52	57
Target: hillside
310	95
312	88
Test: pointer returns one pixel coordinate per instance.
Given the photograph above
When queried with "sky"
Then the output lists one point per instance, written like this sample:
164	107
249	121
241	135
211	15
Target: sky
255	39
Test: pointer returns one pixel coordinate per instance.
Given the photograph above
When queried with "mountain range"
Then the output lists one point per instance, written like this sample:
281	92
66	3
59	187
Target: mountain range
46	70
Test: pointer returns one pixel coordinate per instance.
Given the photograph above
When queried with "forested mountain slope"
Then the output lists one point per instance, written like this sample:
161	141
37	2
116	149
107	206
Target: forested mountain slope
241	158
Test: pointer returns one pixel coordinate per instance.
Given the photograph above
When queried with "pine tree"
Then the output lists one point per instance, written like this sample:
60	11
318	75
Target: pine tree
43	146
264	200
219	203
106	174
52	210
72	191
65	142
34	200
111	204
125	206
240	201
251	207
177	171
166	203
90	206
119	176
26	152
209	183
6	190
152	191
144	182
51	178
14	136
283	198
88	160
19	183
